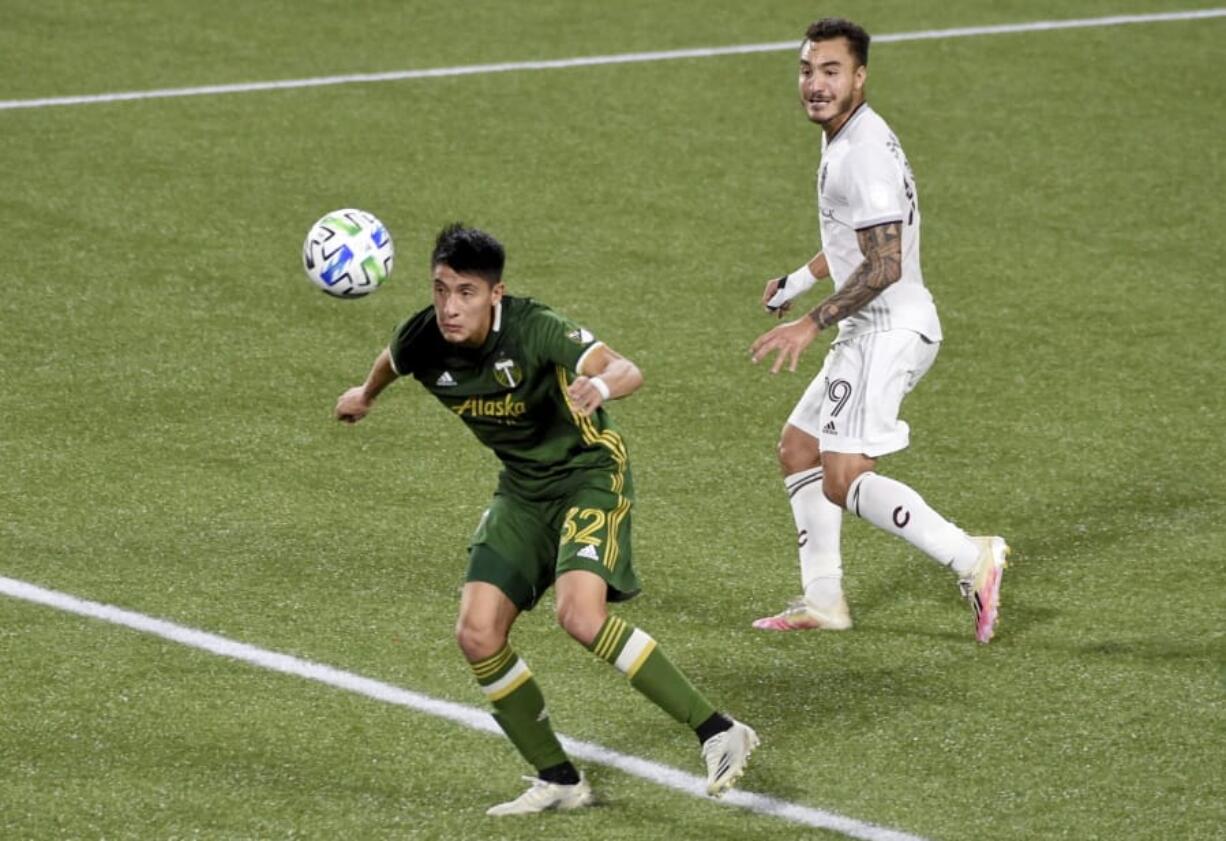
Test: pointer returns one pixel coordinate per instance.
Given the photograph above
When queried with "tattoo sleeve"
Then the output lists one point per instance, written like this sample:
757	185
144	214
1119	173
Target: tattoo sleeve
881	246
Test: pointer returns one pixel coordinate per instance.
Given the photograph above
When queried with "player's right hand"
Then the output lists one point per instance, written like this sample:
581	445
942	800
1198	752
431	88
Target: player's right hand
352	406
772	286
787	340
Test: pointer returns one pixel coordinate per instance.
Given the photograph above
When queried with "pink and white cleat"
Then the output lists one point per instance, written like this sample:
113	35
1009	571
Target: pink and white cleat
981	588
802	615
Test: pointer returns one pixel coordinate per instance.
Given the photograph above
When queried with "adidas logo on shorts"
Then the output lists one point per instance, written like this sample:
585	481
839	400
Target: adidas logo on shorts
829	429
589	552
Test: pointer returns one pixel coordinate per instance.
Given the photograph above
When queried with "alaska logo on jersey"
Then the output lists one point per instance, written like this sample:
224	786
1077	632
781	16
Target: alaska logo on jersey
508	373
477	407
580	336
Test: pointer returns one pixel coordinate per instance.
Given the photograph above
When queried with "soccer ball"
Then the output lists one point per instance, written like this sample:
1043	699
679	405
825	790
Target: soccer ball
348	253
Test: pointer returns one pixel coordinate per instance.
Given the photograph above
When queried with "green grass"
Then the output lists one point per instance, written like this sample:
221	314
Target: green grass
166	445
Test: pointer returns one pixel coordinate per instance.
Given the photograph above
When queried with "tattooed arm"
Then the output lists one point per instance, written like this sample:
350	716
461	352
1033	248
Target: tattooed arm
881	246
882	249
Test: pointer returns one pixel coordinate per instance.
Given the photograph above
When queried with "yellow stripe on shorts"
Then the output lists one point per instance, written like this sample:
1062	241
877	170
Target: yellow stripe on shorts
612	548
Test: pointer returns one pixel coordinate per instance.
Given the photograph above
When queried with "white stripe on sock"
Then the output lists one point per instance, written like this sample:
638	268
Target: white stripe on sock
635	647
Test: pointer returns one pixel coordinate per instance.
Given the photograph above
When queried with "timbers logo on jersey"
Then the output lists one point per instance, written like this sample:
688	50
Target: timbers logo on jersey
507	372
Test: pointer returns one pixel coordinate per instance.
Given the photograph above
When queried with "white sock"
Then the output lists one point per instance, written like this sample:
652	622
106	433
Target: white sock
894	507
818	523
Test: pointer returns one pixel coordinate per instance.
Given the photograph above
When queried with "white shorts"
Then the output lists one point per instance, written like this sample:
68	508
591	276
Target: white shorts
852	404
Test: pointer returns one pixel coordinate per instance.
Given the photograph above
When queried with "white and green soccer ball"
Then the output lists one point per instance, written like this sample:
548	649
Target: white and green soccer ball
348	253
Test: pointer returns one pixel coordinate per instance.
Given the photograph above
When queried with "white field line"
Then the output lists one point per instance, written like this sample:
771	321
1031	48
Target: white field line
461	714
591	61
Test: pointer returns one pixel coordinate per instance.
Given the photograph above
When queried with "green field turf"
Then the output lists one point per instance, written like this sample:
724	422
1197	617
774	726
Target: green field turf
168	376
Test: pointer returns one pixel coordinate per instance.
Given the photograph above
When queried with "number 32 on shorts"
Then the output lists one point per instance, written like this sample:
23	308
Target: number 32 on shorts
592	520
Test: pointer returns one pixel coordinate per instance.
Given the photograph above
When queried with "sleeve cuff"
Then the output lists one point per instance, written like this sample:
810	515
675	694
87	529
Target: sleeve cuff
583	356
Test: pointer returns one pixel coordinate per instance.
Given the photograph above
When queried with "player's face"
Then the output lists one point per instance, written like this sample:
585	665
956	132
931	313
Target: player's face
831	82
464	305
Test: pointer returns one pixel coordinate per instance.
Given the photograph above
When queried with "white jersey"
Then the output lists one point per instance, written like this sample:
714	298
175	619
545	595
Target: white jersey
865	180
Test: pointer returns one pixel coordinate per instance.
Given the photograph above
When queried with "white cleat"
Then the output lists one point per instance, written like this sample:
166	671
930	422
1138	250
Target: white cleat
543	796
727	754
802	615
981	588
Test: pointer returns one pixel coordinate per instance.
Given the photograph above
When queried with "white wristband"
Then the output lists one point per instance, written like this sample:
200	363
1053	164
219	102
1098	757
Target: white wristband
601	386
798	282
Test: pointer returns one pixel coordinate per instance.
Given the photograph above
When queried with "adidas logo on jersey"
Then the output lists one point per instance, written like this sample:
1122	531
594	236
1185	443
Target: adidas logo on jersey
589	552
829	429
445	379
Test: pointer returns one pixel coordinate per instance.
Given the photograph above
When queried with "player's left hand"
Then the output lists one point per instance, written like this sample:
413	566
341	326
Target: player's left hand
789	340
772	286
352	406
584	397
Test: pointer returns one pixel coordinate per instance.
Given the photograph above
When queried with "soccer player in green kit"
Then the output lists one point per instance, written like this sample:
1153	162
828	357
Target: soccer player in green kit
531	386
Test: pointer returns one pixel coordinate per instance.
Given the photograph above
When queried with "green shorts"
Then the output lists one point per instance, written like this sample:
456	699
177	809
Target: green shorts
521	546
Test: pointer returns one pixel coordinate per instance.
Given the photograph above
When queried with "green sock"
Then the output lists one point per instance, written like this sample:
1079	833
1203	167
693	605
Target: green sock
637	656
519	707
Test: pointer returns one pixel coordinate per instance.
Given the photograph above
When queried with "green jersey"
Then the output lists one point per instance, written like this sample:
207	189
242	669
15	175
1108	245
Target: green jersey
511	392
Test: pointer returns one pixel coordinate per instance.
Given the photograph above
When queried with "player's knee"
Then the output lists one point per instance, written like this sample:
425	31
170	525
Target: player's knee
581	621
477	639
795	456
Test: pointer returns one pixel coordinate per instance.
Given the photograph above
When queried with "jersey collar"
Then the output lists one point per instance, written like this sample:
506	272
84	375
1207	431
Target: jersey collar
860	109
495	333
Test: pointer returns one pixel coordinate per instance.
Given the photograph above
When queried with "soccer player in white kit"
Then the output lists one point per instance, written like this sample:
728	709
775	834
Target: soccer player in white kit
889	335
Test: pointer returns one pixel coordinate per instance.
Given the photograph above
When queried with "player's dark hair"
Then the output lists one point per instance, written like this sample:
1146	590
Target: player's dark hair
827	29
468	250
